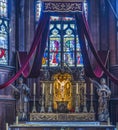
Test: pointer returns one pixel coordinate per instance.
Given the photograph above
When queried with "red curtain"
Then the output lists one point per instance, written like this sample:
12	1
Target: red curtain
44	20
34	70
22	57
83	30
39	43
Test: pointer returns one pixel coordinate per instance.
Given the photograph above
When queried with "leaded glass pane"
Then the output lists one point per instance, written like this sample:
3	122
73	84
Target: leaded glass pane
37	10
3	43
58	26
68	40
77	44
54	58
3	8
45	59
65	26
55	47
67	18
54	18
79	59
51	26
69	47
69	58
72	26
54	44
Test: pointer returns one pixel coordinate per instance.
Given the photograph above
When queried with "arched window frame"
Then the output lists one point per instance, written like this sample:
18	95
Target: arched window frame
47	50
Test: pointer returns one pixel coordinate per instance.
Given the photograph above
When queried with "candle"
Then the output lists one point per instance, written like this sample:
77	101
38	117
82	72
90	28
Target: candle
43	87
76	88
16	119
91	88
85	88
6	126
50	88
34	89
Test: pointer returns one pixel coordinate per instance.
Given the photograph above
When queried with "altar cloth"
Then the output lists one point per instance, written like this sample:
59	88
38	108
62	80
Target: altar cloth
60	125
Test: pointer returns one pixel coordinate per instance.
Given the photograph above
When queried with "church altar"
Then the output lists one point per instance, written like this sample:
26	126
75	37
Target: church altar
63	100
66	99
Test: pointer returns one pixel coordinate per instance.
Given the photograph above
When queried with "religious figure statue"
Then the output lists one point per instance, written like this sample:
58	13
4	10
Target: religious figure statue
62	84
21	93
104	94
62	92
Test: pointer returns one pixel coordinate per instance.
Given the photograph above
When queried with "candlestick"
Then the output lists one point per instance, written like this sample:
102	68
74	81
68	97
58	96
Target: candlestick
43	88
6	126
76	88
84	107
91	88
34	89
85	88
108	121
16	119
51	88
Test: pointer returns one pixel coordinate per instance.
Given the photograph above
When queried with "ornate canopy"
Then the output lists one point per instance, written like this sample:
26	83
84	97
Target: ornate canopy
62	5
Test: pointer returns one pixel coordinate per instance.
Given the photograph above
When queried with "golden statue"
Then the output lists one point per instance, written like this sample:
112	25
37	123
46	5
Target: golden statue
62	90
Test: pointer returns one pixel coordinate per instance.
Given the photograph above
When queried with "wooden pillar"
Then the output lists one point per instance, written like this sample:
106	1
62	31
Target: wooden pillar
29	23
93	19
112	35
103	25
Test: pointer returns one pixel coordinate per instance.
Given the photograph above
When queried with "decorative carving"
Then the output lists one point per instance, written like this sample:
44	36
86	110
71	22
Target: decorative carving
62	6
43	117
62	117
81	117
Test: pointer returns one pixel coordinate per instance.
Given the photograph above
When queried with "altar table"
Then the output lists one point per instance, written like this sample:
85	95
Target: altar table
60	126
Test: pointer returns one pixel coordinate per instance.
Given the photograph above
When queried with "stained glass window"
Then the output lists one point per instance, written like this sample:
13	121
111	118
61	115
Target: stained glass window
63	43
3	32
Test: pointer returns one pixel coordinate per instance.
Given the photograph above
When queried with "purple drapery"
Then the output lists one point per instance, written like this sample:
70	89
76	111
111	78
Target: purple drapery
22	56
44	19
104	57
34	71
83	30
87	66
